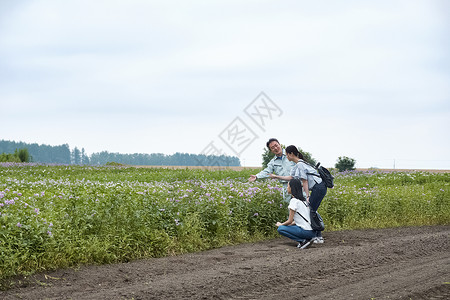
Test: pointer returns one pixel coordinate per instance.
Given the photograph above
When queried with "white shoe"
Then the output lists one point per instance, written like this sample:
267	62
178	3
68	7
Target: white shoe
318	240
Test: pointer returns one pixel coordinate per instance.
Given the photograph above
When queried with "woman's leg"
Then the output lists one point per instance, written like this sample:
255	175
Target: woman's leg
318	192
296	233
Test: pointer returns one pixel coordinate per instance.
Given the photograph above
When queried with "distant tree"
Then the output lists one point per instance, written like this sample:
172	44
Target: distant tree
266	157
23	155
84	157
345	163
307	156
61	154
76	156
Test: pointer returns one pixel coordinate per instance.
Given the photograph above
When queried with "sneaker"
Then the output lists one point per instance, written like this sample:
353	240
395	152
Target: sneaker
318	240
305	244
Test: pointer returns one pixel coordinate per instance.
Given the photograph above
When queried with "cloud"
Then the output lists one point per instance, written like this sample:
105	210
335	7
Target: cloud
193	66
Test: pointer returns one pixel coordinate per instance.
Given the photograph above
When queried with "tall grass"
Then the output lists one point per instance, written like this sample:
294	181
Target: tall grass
63	216
387	199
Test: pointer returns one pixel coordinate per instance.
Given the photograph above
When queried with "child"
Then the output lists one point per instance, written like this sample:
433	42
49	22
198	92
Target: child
298	225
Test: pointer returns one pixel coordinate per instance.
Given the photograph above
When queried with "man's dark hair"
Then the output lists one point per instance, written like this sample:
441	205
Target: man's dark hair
272	140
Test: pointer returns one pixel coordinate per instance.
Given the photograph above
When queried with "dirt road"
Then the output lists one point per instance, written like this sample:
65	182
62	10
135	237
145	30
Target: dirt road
398	263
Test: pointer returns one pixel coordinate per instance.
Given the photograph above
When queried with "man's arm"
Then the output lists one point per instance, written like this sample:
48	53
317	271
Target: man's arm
264	173
286	178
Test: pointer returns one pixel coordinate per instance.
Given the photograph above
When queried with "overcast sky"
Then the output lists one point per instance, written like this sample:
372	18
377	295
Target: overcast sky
368	80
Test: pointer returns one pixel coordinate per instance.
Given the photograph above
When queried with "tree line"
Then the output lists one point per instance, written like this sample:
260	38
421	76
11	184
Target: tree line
62	154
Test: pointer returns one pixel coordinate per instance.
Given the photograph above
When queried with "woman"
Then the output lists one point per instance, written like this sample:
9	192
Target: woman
313	186
297	227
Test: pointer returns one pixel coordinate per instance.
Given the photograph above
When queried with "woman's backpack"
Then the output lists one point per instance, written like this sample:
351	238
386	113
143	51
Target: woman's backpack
323	173
316	221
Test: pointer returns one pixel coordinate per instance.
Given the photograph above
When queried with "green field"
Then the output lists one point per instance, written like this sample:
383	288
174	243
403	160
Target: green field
63	216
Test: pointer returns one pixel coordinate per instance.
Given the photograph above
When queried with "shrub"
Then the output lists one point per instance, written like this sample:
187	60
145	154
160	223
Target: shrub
345	163
20	155
23	154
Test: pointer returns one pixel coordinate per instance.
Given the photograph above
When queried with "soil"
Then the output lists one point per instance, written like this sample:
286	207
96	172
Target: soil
395	263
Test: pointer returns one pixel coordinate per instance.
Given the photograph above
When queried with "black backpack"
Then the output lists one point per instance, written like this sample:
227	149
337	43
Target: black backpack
323	173
316	219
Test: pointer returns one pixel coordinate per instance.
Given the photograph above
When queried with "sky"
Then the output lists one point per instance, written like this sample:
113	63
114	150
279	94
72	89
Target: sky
364	79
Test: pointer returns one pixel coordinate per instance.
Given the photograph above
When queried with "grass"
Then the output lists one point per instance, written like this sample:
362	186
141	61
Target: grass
63	216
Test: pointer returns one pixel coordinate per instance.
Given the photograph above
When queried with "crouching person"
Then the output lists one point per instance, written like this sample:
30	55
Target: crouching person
298	225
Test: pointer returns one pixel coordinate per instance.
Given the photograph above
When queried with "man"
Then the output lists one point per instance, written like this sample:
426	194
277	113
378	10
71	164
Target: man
278	165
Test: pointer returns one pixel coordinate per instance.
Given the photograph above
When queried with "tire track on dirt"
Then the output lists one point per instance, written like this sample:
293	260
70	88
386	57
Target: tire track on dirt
367	268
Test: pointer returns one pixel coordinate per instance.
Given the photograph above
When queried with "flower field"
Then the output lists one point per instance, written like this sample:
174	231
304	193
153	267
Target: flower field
63	216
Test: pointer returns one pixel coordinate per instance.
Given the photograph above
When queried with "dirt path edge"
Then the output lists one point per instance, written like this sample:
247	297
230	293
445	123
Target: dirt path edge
394	263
